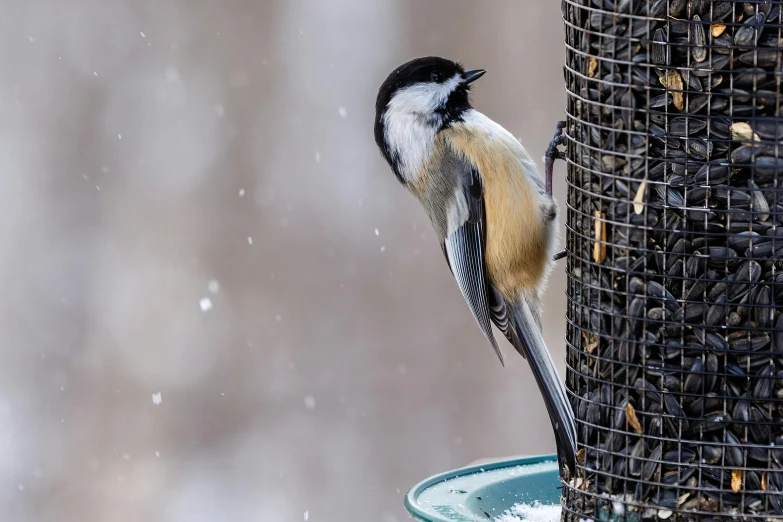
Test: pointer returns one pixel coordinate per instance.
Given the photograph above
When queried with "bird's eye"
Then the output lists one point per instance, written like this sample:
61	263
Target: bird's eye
437	76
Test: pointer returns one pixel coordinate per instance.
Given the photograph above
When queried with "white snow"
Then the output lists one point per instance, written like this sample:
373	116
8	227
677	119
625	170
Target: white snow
213	286
535	512
241	192
376	232
383	248
205	303
309	401
157	398
317	157
249	240
306	516
142	34
342	112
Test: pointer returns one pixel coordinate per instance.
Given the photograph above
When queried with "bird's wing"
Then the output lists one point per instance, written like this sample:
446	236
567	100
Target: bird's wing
464	247
500	315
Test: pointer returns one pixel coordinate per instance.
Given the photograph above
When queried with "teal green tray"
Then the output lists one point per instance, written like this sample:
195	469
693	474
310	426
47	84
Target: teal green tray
481	493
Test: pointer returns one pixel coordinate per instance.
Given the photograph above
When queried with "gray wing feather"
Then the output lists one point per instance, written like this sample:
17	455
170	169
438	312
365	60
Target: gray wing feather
500	315
464	246
465	253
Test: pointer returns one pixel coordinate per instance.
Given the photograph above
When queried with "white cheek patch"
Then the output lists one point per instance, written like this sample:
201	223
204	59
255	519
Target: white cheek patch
424	98
411	123
411	138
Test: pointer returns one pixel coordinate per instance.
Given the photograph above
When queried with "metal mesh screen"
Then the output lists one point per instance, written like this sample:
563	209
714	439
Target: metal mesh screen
675	266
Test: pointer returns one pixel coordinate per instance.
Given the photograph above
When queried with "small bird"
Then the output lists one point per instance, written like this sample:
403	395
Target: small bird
490	208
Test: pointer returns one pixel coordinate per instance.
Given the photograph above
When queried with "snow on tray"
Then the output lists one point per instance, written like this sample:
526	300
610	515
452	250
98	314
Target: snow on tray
535	512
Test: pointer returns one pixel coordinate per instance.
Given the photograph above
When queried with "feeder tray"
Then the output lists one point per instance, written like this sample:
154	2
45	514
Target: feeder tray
484	492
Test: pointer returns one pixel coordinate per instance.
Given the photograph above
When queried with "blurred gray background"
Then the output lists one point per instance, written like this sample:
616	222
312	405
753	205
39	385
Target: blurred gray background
218	303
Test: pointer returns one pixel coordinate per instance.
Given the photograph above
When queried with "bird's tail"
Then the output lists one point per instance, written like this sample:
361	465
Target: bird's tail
530	344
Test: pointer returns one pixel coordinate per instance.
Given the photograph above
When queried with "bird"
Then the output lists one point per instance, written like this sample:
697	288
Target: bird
493	213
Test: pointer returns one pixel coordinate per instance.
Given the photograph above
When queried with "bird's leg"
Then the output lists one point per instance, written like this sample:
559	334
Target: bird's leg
553	153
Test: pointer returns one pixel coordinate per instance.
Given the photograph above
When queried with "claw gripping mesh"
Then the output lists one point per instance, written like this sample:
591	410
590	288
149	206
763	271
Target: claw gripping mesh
675	266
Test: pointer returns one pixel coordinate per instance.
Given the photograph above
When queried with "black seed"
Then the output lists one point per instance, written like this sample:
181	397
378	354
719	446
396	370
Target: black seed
760	57
677	8
748	34
733	451
721	10
682	126
658	48
662	100
763	387
651	465
698	51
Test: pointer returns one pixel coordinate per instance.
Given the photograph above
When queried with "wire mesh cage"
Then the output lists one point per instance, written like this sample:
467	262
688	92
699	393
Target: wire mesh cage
675	266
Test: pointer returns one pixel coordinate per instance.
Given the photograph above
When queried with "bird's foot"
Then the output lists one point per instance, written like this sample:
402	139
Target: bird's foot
553	153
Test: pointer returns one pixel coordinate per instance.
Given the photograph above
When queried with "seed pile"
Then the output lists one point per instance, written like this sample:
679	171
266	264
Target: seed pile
675	224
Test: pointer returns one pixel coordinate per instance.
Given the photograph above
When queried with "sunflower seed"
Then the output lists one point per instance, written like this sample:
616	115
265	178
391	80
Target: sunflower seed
698	50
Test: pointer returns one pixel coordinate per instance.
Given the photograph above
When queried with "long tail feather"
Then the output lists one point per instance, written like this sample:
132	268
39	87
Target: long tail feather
530	345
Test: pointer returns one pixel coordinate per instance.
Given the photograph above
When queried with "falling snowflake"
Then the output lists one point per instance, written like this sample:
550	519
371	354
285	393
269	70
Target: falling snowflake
205	303
157	398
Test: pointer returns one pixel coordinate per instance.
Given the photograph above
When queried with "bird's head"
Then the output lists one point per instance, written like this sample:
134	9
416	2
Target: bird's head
429	93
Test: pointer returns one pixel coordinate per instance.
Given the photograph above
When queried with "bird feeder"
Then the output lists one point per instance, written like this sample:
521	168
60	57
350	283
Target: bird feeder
675	258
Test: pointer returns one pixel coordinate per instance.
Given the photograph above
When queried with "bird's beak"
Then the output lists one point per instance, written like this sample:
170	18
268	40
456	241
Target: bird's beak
472	76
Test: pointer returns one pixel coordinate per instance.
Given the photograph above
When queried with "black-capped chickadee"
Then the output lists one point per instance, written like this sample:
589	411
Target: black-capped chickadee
489	206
